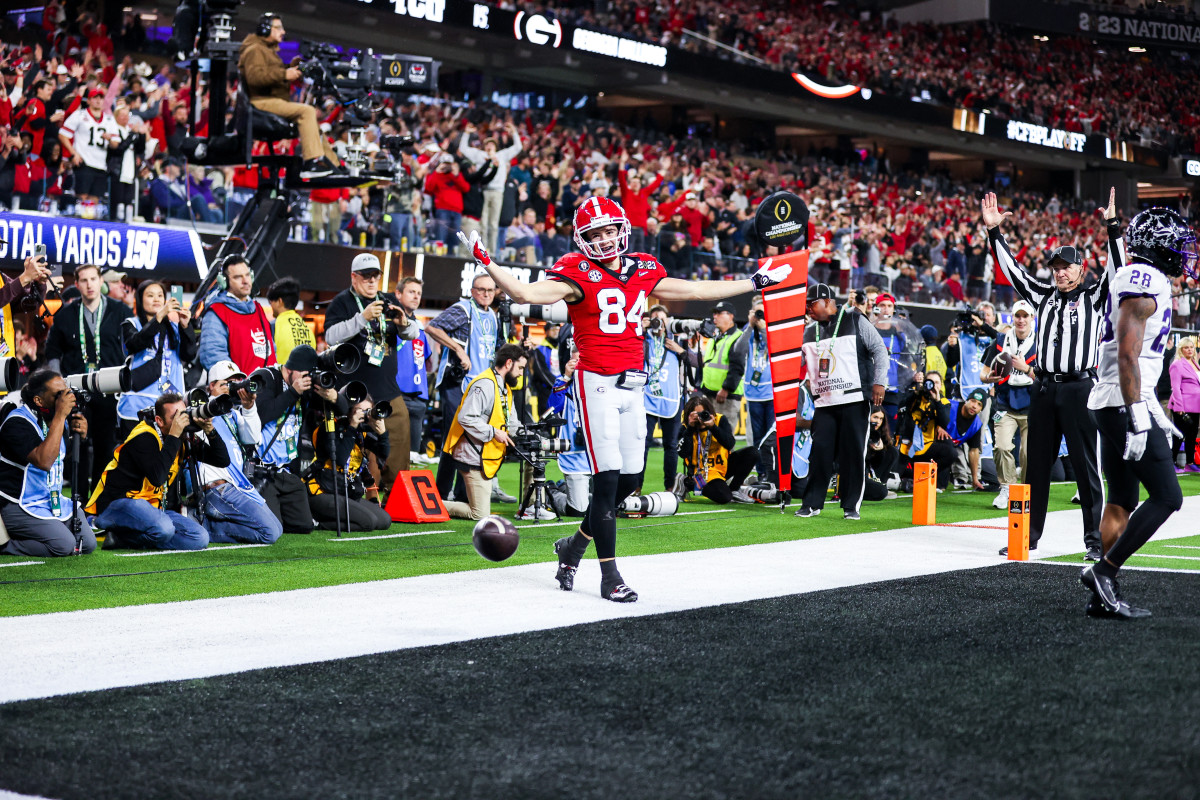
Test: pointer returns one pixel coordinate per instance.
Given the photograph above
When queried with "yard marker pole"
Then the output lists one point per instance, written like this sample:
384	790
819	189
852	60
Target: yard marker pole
1018	522
924	510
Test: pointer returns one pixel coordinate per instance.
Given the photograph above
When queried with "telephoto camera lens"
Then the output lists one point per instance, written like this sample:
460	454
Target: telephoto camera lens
10	372
382	410
249	384
203	407
109	380
556	312
344	358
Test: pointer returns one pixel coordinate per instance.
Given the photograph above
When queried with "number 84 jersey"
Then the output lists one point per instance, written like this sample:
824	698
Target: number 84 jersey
1134	280
607	321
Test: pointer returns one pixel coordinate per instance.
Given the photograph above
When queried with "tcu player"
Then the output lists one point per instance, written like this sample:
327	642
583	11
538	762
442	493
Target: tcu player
1135	443
607	291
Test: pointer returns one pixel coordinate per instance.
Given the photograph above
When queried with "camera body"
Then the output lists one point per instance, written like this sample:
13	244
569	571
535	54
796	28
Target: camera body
203	408
540	439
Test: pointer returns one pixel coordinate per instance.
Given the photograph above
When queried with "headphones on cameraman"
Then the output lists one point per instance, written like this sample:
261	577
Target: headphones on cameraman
224	264
265	22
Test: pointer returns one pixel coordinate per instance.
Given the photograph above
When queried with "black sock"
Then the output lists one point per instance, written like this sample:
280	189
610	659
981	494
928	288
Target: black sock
1103	567
577	547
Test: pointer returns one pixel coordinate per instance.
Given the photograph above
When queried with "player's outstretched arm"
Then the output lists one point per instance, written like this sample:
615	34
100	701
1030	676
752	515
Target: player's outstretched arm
676	289
540	293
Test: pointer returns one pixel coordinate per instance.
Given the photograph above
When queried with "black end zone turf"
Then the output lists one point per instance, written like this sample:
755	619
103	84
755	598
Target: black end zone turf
985	683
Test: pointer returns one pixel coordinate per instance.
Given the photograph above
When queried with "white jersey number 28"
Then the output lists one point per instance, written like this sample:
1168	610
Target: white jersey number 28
613	317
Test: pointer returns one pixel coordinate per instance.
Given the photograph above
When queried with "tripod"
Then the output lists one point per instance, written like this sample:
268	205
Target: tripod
536	497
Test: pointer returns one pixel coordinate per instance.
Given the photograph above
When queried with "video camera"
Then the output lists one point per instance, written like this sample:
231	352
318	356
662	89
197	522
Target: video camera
541	438
353	78
965	320
250	384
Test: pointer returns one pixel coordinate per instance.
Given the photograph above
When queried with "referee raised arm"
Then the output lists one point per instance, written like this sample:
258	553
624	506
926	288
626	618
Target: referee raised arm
1068	332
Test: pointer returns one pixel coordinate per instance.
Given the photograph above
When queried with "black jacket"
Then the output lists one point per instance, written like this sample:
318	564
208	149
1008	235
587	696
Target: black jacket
63	341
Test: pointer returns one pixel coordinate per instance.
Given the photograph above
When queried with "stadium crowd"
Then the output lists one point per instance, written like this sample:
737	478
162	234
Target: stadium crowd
1068	83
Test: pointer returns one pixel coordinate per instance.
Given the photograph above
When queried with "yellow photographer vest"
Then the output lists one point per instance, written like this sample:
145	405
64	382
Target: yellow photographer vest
493	452
149	492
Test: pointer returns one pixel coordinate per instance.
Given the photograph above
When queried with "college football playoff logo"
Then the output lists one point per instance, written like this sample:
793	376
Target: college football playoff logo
783	210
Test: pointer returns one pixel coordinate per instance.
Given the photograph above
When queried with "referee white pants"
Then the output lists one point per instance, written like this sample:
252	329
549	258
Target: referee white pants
613	421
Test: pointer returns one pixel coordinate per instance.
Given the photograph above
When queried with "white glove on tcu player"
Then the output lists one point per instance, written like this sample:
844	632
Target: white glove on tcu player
476	247
1138	426
769	276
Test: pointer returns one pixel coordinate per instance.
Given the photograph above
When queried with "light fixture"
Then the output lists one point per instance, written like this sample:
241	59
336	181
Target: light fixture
1136	49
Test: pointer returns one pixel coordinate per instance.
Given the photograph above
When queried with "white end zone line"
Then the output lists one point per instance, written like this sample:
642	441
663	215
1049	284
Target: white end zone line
22	564
178	552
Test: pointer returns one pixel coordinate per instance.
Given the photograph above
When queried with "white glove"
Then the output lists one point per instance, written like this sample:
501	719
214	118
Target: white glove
475	246
1137	425
768	276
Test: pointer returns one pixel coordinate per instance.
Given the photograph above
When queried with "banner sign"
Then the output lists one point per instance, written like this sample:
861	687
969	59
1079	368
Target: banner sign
153	249
1091	22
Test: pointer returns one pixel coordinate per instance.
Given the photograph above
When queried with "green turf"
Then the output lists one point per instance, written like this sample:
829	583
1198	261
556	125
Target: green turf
113	578
1167	554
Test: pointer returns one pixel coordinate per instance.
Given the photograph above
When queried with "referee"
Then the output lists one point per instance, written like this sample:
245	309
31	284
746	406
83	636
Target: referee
1068	331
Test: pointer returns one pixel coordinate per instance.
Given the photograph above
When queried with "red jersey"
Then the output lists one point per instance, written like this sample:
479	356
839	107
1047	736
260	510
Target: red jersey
607	322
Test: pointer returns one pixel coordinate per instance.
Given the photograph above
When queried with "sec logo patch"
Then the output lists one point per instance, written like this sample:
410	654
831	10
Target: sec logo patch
595	276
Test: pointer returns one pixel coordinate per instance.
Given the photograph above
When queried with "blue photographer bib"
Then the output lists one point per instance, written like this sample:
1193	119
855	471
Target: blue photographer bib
170	379
226	427
41	490
758	368
662	387
802	443
286	444
969	351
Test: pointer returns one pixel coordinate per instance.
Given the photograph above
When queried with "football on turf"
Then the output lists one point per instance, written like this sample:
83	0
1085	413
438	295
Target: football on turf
495	538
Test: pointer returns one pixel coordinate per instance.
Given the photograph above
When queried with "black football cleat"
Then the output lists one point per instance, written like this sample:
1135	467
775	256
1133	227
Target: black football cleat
566	572
1105	589
805	511
1004	550
618	593
1096	610
1093	554
851	515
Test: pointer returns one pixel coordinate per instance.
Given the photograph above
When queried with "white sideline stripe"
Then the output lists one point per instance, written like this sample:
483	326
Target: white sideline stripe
178	552
111	647
385	536
536	525
22	564
1182	546
7	795
1158	555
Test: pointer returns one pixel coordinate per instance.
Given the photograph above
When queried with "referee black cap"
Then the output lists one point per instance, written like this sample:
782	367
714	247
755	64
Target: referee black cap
820	291
1067	253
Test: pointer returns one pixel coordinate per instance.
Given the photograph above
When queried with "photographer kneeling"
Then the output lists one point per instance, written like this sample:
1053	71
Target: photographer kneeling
32	454
355	434
233	510
710	463
129	497
287	398
478	435
923	431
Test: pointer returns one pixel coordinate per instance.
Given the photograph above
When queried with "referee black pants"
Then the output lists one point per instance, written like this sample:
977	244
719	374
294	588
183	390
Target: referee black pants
1058	410
839	433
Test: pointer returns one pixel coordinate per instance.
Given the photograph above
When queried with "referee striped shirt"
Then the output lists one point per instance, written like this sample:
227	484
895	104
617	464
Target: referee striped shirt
1068	322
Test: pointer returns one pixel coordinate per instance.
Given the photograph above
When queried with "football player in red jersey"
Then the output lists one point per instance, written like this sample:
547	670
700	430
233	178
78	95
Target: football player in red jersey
607	290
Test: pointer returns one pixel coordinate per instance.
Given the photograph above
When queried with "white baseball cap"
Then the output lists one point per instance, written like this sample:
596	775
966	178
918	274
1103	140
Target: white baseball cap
223	371
365	261
1022	305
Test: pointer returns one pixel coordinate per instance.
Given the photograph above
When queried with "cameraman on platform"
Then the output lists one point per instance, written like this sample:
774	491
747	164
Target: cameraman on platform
86	336
374	324
267	82
33	453
233	509
128	499
478	436
663	390
287	400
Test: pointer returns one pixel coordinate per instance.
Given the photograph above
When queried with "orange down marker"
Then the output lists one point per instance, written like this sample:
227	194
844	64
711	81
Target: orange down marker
1018	522
924	493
